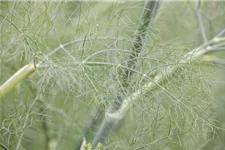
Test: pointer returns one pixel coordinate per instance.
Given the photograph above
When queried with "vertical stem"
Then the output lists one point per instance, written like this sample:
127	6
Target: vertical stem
21	136
45	129
146	20
25	123
200	23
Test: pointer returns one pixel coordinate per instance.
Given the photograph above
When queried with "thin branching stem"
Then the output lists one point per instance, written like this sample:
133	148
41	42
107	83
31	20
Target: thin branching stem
3	147
72	42
200	23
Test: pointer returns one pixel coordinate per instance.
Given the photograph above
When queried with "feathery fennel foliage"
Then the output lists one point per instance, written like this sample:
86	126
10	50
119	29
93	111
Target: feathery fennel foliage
80	49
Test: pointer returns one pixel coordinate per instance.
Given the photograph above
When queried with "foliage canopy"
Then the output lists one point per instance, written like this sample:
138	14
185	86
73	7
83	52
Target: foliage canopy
87	66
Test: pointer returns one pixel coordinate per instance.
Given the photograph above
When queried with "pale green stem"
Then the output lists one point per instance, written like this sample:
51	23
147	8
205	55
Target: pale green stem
200	22
16	78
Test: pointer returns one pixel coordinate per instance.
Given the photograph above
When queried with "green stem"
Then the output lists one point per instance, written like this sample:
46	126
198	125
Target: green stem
190	57
147	17
16	78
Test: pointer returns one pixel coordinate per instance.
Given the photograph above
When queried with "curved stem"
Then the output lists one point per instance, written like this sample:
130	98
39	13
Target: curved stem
192	56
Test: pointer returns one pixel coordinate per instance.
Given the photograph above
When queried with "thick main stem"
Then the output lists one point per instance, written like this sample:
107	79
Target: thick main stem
16	78
146	20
